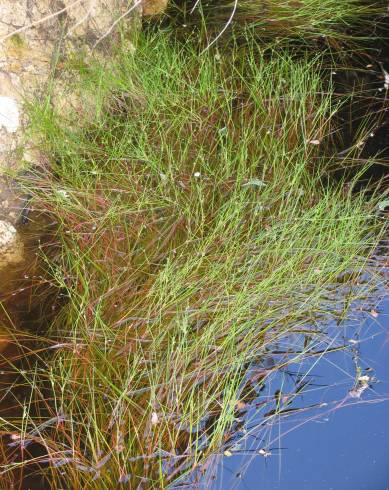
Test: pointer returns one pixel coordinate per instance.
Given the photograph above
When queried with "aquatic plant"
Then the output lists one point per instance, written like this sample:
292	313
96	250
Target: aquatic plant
329	21
197	232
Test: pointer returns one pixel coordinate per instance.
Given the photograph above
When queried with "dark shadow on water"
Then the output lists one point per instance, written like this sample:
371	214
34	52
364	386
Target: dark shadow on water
27	303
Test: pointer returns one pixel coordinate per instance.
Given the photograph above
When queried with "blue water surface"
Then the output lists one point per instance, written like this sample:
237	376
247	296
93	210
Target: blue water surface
345	447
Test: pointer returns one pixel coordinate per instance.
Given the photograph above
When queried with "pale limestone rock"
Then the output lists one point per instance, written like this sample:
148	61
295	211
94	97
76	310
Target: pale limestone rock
34	34
9	114
7	234
11	246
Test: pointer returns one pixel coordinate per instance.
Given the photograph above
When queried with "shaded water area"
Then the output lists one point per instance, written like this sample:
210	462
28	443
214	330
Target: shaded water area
27	304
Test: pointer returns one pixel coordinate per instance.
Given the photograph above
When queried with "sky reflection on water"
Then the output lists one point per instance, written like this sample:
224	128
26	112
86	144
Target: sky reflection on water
346	449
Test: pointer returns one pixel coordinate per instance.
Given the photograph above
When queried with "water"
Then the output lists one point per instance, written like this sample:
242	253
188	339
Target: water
344	448
341	446
26	305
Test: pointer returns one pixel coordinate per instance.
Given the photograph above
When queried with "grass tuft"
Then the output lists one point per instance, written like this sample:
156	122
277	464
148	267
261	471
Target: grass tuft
196	235
309	22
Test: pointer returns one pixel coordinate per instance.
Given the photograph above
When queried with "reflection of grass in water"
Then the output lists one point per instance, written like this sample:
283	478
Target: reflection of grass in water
196	234
284	21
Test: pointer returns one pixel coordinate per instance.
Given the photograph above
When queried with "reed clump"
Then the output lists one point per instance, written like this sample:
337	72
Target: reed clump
196	235
312	23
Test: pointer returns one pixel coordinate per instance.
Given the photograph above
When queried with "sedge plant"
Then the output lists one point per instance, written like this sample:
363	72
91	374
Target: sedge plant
194	233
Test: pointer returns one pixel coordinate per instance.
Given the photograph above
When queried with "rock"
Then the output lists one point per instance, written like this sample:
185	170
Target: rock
154	7
36	34
9	114
35	38
11	246
8	234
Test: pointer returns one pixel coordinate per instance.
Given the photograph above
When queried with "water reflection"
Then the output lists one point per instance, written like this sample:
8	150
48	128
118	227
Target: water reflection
301	431
343	446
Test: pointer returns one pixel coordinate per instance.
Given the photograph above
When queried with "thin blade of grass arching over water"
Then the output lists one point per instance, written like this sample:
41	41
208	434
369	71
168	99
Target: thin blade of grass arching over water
195	232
